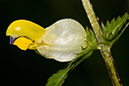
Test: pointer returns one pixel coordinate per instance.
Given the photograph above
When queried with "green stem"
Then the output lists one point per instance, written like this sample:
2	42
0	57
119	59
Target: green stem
104	49
106	53
92	18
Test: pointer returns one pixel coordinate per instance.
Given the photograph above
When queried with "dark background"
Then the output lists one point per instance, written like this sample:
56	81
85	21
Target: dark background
22	68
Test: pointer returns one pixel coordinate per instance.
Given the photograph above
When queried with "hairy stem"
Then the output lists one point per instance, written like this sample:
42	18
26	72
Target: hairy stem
109	61
104	49
92	18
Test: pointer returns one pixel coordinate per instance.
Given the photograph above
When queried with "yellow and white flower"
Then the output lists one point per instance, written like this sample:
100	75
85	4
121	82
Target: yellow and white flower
61	41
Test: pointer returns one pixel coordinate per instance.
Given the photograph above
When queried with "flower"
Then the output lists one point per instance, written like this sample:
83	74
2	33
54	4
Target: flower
61	41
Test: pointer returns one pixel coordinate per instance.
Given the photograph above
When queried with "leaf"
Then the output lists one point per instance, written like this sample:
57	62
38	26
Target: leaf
58	78
111	30
120	33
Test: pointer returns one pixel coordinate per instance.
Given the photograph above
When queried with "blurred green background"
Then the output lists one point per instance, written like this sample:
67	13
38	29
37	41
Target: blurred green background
20	68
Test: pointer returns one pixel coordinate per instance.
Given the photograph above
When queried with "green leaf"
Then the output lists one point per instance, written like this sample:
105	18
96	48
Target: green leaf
58	78
113	28
120	33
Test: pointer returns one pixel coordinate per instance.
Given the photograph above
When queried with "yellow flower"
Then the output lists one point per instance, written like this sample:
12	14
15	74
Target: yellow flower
61	41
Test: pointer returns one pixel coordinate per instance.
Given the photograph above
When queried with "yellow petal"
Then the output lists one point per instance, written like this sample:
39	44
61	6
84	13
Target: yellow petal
25	28
23	43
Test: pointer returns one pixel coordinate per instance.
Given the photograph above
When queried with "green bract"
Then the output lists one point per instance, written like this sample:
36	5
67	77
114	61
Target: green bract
114	29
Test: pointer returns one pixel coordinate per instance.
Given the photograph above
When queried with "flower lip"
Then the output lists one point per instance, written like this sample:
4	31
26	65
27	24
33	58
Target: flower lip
12	39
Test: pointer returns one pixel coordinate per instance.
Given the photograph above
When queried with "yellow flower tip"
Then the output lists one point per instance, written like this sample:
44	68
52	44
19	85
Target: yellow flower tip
25	28
23	43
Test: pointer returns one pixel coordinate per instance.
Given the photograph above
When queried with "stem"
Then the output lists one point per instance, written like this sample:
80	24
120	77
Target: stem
104	49
92	18
106	53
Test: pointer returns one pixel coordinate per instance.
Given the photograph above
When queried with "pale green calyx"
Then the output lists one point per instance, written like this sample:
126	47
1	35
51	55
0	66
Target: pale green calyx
65	38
